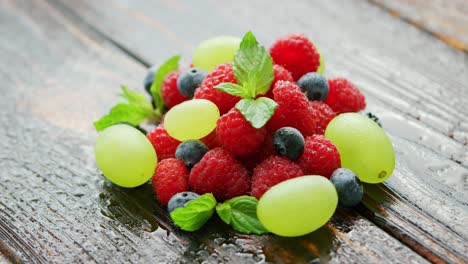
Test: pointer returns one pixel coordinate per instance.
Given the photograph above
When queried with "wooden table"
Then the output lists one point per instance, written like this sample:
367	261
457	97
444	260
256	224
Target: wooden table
63	61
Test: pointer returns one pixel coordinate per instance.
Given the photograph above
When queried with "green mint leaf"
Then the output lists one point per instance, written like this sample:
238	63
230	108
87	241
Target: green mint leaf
253	66
136	99
233	89
257	111
241	213
135	111
172	64
122	112
195	213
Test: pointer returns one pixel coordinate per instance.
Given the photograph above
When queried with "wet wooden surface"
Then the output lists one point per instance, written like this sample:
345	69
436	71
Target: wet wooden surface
62	64
446	20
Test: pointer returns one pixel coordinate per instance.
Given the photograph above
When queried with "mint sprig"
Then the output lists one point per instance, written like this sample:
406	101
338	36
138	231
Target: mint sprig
137	108
257	111
253	66
253	70
172	64
195	213
241	213
134	111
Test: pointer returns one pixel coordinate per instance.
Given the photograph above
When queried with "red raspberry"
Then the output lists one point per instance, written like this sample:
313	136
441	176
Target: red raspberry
320	156
293	109
164	145
344	97
237	135
272	171
219	173
170	94
296	53
211	140
170	177
224	101
322	114
281	74
264	151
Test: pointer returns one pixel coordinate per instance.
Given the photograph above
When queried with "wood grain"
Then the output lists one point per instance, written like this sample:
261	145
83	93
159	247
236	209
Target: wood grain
54	205
416	84
446	20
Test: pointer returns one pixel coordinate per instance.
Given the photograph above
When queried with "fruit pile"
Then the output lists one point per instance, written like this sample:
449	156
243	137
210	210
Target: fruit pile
261	137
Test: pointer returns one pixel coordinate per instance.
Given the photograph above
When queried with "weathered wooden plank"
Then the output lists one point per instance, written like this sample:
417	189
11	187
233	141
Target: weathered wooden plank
446	20
414	82
54	206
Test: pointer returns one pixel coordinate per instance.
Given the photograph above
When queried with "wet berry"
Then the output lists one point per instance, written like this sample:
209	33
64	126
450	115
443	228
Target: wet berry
288	142
191	152
190	80
314	85
348	186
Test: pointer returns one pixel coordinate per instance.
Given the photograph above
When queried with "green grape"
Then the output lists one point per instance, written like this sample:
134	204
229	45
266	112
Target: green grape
191	119
215	51
125	156
297	206
363	146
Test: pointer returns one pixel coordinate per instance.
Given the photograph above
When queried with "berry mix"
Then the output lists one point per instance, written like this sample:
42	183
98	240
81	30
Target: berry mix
260	137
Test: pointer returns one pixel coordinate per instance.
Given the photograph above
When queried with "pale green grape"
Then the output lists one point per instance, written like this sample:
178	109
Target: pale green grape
191	119
297	206
125	156
212	52
363	146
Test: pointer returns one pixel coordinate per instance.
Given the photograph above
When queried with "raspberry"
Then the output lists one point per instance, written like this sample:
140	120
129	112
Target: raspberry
170	94
320	156
164	145
344	96
296	53
263	152
272	171
281	74
170	178
211	140
292	110
323	114
224	101
237	135
219	173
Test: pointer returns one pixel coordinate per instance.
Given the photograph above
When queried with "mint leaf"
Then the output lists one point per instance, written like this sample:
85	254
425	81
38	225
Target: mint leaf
233	89
253	66
136	99
121	113
257	111
135	111
172	64
241	213
195	213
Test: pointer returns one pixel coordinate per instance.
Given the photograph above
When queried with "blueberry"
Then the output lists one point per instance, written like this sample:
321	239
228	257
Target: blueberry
180	200
348	186
191	152
189	80
149	78
372	117
288	142
314	85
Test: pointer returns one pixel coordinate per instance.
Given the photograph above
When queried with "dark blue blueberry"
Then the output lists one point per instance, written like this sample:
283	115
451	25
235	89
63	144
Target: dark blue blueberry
314	85
149	78
189	80
180	200
191	152
372	117
288	142
348	186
